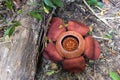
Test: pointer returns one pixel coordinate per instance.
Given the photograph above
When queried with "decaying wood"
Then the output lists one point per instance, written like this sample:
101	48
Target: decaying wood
18	57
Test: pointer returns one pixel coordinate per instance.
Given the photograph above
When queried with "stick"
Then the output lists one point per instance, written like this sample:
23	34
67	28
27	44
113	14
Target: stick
102	19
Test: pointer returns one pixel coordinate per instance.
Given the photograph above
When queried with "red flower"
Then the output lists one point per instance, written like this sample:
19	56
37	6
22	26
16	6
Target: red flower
78	27
72	44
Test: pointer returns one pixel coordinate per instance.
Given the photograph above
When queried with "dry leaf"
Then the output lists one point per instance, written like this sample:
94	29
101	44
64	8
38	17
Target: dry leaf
60	26
66	25
114	52
91	27
54	66
118	71
119	13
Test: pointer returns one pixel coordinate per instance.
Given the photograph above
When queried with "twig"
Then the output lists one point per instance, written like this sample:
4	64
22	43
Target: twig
44	28
91	77
86	18
94	71
112	17
49	19
3	42
101	38
102	19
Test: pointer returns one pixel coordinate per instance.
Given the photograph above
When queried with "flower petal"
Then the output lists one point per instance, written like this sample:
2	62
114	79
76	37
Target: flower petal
89	47
45	55
51	53
92	49
78	27
74	64
96	50
56	28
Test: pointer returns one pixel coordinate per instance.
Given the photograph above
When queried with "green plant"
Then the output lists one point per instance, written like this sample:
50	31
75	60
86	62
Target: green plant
114	76
19	11
11	29
49	73
47	6
108	36
95	3
9	4
36	14
53	3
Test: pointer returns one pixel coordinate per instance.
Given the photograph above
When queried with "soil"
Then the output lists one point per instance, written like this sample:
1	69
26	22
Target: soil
110	47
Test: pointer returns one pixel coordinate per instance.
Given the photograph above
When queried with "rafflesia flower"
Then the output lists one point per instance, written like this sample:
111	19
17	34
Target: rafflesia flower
70	45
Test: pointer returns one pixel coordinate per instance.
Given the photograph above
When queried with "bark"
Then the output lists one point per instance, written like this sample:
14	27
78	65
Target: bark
19	56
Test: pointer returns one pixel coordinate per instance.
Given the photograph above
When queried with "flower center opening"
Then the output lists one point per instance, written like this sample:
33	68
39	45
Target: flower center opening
70	43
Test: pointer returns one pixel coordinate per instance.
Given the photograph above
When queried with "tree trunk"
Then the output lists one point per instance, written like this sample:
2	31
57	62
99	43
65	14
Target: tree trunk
19	56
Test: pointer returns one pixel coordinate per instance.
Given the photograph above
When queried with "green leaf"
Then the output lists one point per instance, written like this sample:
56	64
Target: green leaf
11	29
16	23
19	11
49	73
36	15
46	10
90	32
58	3
9	32
92	2
49	3
100	4
108	36
114	75
9	4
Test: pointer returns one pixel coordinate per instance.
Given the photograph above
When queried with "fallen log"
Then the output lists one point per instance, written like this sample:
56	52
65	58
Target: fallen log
19	55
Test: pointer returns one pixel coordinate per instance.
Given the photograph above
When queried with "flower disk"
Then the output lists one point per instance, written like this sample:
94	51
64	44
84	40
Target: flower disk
70	43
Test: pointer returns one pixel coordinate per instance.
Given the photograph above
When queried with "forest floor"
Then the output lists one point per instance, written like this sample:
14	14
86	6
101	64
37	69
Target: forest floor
108	36
106	29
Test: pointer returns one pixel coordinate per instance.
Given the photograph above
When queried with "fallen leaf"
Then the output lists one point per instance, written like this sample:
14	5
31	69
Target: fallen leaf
119	13
102	13
109	36
46	10
60	26
54	66
49	73
66	25
90	29
114	52
114	76
118	71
